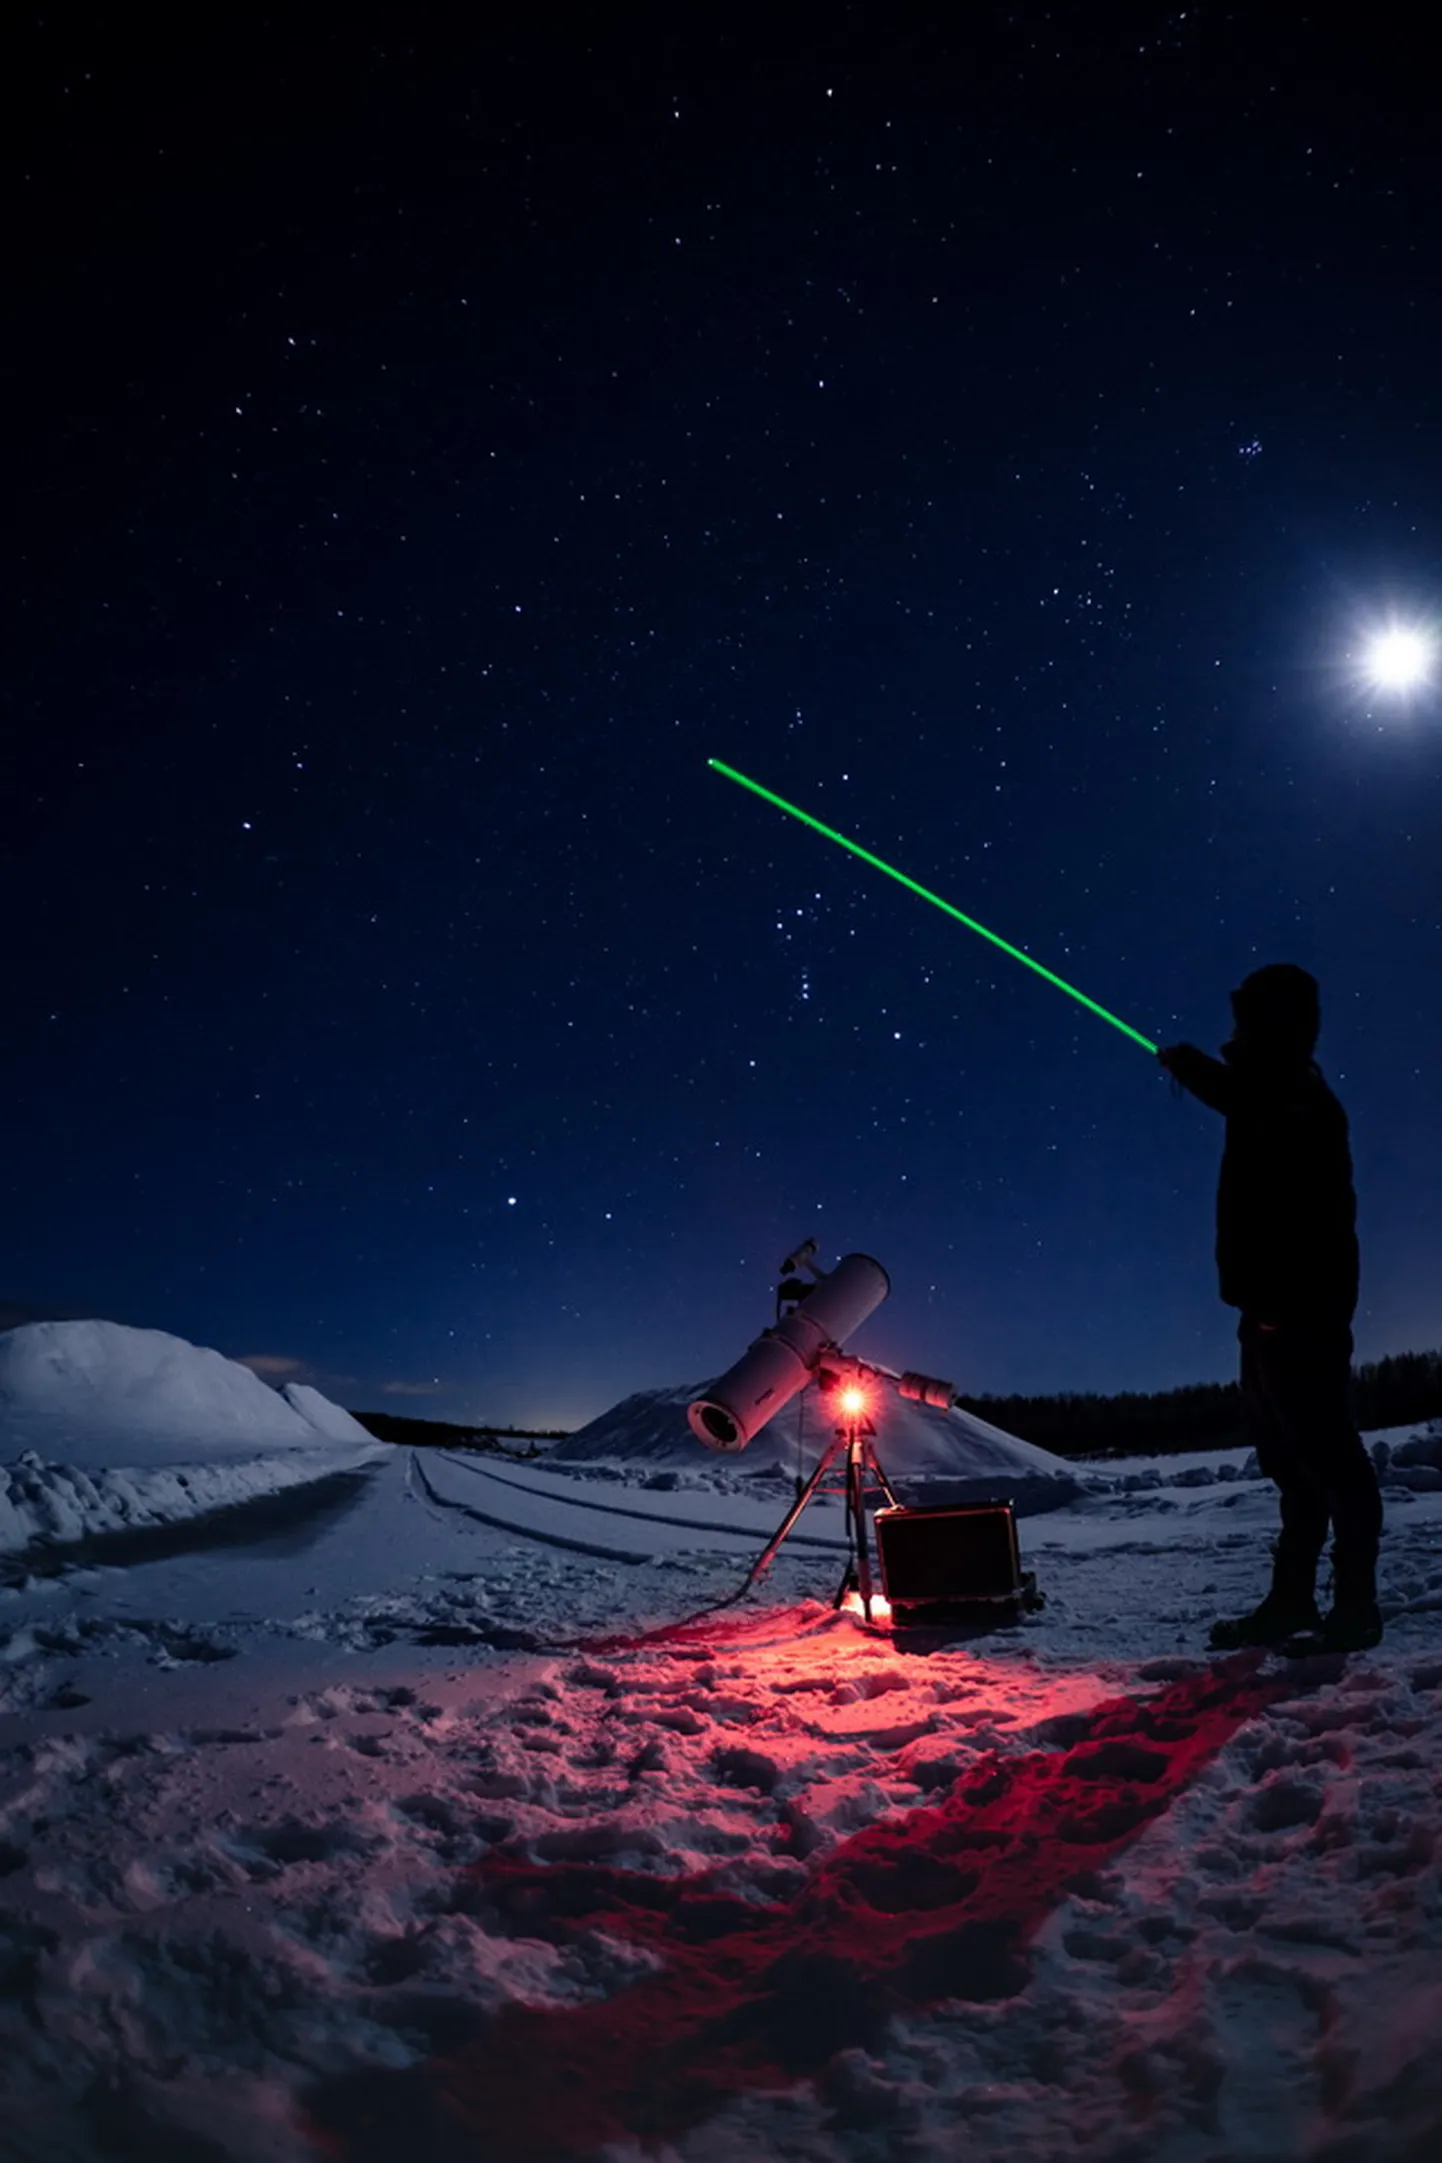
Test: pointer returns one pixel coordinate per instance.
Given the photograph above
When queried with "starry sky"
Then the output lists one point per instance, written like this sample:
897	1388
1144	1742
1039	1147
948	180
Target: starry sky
995	429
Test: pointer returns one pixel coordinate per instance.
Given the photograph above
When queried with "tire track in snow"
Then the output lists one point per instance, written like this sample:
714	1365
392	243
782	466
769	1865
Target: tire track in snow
648	1517
527	1532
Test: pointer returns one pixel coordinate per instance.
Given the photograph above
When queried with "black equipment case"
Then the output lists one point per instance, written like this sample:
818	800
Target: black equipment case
950	1559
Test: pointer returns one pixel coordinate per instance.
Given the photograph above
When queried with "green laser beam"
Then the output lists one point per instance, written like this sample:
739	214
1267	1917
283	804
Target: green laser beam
935	899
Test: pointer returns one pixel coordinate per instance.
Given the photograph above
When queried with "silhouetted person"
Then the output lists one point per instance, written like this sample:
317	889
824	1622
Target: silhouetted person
1287	1257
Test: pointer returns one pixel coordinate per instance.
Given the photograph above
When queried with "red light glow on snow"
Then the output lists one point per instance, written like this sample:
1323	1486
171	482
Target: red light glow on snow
936	1903
880	1606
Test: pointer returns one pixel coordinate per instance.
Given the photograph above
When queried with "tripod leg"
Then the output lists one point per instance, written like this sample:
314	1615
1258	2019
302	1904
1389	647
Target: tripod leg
860	1571
764	1558
863	1557
881	1480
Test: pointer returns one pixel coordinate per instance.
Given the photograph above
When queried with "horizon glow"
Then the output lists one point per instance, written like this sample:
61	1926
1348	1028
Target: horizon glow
936	901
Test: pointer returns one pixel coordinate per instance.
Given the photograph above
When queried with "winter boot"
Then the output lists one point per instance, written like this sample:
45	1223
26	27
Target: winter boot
1355	1622
1280	1616
1352	1626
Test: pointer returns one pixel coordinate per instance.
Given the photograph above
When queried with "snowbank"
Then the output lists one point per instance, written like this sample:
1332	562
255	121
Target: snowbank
327	1418
56	1505
104	1429
934	1455
1406	1457
1414	1462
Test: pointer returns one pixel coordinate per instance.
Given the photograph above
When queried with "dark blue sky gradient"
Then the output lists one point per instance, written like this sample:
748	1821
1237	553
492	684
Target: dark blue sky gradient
429	445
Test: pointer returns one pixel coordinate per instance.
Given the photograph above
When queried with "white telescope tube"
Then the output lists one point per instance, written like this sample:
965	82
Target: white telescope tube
783	1360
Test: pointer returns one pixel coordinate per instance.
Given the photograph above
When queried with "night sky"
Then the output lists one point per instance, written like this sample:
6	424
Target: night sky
995	429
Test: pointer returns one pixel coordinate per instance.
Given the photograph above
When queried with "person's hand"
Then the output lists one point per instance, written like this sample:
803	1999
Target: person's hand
1167	1055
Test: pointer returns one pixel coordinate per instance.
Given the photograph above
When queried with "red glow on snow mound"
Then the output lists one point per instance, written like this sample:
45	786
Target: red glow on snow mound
939	1904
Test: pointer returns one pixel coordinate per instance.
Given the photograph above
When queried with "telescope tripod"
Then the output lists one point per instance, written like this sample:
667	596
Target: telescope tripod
862	1468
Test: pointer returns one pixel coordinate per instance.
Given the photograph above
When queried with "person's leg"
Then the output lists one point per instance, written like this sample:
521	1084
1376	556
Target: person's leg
1314	1390
1269	1397
1290	1606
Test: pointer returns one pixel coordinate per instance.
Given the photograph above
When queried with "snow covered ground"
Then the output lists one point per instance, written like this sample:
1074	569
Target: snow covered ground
106	1429
449	1813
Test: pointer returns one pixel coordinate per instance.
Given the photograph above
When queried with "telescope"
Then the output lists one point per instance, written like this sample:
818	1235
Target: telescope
933	1558
783	1359
802	1346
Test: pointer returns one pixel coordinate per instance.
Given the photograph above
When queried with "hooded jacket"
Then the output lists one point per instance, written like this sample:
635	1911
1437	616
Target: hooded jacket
1286	1207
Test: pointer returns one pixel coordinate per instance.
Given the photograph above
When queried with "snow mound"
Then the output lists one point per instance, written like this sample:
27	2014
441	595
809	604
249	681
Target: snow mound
935	1455
104	1428
327	1418
84	1389
1422	1447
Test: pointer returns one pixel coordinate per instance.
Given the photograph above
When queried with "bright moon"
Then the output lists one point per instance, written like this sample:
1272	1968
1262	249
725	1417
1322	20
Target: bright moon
1398	659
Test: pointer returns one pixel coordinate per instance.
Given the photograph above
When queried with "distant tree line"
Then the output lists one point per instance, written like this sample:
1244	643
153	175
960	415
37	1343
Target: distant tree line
1206	1415
447	1435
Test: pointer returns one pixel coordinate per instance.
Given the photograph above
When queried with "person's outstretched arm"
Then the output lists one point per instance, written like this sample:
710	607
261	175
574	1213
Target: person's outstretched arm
1196	1070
